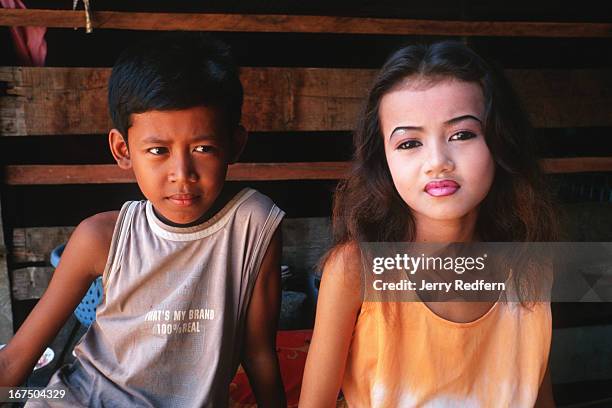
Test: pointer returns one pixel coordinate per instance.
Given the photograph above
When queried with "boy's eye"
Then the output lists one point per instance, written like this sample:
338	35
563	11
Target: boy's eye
463	135
157	150
409	144
203	149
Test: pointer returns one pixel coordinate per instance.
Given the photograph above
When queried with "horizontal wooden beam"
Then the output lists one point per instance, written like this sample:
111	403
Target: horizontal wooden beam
49	101
298	24
35	244
304	241
577	165
307	238
61	101
111	174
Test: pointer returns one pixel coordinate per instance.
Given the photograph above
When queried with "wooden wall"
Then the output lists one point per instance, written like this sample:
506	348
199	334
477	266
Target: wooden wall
307	67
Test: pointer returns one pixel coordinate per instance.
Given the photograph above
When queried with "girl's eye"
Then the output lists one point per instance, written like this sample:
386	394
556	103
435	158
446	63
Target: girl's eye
203	149
409	144
157	150
463	135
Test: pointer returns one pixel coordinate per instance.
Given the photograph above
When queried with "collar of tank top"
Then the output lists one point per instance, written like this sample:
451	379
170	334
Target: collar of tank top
224	198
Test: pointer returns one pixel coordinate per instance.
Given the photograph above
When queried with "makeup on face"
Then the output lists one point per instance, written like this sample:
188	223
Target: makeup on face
435	148
442	188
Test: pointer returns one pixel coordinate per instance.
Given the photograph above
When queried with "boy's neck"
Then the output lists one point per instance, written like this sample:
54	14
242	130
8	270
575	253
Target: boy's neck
225	196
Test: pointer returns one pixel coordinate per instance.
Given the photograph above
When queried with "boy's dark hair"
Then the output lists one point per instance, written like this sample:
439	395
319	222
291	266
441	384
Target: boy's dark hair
174	71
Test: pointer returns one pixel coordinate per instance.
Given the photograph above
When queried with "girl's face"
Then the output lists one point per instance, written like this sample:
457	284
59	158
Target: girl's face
435	147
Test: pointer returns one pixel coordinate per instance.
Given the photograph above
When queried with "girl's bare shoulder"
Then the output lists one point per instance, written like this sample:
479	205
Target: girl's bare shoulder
343	268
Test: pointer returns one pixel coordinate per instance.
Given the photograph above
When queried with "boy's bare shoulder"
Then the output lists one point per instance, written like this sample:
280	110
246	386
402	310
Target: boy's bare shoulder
99	226
93	236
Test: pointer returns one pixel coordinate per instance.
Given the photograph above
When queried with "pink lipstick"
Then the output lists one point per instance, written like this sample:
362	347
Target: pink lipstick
441	188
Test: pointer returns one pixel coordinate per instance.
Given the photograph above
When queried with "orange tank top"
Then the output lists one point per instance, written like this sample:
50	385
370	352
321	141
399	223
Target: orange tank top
404	355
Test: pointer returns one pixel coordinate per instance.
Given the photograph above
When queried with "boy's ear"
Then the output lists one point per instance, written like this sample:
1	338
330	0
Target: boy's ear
239	140
119	149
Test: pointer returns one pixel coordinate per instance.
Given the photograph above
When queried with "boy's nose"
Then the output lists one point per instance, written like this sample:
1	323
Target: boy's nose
183	170
439	161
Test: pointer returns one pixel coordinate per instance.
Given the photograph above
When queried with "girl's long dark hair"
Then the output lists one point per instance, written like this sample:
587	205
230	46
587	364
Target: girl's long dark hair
368	208
518	208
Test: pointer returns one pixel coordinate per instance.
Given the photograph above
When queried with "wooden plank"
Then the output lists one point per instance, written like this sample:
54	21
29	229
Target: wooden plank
577	165
584	222
304	241
31	282
582	98
111	174
60	101
299	24
36	244
288	171
6	314
66	174
44	101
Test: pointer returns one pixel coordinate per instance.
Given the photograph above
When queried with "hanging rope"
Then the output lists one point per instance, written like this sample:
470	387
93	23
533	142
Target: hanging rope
88	25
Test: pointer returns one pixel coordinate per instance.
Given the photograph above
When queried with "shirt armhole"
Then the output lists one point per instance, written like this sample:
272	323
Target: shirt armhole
270	226
120	233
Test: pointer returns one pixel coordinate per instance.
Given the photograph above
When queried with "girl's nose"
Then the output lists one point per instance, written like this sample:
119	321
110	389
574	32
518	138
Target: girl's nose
439	161
183	170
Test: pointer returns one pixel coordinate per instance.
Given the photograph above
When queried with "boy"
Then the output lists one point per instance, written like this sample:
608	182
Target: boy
192	275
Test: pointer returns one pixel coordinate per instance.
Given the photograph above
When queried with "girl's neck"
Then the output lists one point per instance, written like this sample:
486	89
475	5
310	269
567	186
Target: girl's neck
443	231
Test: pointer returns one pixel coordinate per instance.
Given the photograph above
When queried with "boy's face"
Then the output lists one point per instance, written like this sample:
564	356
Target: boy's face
179	158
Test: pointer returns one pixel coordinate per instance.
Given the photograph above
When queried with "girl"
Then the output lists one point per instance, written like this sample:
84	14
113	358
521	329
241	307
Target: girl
443	154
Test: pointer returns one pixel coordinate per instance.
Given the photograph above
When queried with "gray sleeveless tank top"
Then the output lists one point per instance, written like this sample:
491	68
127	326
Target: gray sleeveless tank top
170	327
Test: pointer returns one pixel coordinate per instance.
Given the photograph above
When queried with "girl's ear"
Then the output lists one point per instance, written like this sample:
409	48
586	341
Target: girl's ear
119	149
239	139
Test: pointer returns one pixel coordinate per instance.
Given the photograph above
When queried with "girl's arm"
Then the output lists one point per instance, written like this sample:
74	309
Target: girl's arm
337	309
82	261
545	395
259	357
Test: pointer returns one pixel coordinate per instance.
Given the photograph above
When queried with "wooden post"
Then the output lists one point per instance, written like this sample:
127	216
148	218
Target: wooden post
6	315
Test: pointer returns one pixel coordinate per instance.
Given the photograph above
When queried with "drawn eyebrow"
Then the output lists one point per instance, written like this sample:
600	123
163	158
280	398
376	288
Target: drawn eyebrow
414	128
448	122
462	118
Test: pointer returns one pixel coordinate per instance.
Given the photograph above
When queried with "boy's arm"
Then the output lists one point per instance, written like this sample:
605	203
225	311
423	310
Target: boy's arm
259	357
83	259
